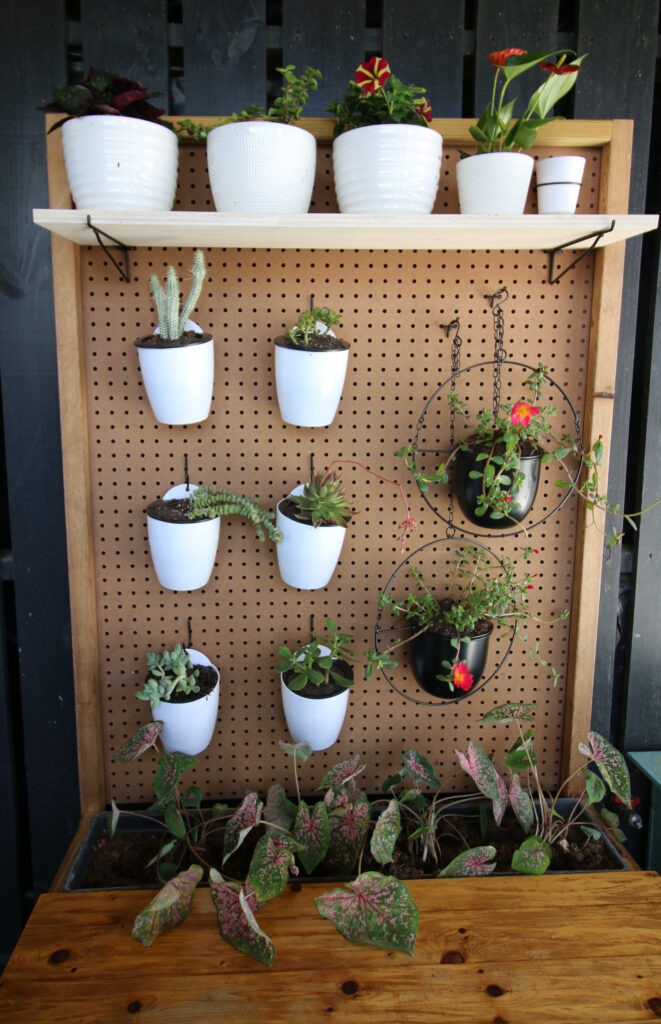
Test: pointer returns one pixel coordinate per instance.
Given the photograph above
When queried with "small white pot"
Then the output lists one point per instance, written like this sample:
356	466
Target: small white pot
307	555
189	727
387	168
120	163
494	182
261	167
309	384
314	720
183	554
179	380
558	183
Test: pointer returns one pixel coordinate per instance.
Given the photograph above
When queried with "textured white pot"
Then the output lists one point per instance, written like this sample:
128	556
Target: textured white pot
183	554
189	727
309	384
179	380
314	720
120	163
307	555
494	182
387	168
261	167
558	183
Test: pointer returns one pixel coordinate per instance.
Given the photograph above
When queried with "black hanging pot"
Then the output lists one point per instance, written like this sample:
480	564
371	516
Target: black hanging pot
430	649
468	490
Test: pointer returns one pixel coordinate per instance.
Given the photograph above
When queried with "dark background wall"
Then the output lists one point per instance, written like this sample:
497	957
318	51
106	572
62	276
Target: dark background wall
212	57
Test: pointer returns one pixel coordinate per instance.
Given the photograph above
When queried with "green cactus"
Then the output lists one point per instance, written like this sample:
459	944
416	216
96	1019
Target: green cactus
172	321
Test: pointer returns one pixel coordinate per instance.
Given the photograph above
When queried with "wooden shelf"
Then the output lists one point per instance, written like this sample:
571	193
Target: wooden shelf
344	231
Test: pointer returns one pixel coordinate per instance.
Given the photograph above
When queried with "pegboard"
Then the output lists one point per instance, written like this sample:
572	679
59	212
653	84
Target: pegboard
392	304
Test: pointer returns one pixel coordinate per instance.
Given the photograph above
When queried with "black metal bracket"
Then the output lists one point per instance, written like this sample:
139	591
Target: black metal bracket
125	272
552	253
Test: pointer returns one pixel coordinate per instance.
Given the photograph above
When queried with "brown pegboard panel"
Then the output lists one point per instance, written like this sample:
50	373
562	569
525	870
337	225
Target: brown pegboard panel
393	305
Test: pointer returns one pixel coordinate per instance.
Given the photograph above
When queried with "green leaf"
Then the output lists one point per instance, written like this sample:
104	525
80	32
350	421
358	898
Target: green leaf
279	809
112	818
192	797
373	909
594	787
343	772
511	712
392	780
348	822
168	773
244	819
142	740
533	856
236	918
169	907
477	861
387	828
591	833
174	821
302	751
611	764
270	865
312	832
522	804
420	768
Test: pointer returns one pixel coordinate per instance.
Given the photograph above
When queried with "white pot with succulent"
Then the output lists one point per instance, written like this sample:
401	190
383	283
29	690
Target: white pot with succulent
310	369
183	687
312	520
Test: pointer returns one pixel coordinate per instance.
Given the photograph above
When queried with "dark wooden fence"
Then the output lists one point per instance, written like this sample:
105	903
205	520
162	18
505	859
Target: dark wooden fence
214	56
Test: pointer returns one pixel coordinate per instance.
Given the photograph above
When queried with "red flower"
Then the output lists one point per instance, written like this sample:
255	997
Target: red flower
522	413
372	75
423	109
498	57
507	497
530	586
461	677
560	69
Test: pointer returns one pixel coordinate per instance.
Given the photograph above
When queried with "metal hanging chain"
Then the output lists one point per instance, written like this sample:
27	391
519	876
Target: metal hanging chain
455	366
499	354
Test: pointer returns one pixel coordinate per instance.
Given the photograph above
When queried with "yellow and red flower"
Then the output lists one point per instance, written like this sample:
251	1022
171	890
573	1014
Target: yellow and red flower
461	677
522	414
423	109
372	75
498	57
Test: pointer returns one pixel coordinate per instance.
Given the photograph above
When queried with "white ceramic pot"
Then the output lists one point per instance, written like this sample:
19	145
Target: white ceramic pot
307	555
387	168
558	183
261	167
189	727
309	384
494	182
120	163
183	554
314	720
179	380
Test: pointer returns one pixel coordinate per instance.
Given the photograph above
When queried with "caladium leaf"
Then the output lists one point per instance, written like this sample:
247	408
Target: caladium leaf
420	768
192	797
174	821
594	786
168	773
169	907
521	804
347	828
342	772
144	738
511	712
373	909
611	765
477	861
302	751
112	817
591	833
522	754
392	780
270	865
533	856
279	809
246	816
480	767
387	828
312	831
236	918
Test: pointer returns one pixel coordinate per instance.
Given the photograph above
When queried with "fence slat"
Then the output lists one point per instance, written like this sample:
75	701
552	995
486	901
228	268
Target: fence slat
330	37
128	38
224	55
424	44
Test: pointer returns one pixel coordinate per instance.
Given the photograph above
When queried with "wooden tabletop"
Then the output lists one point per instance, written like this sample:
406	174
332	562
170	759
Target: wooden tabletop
507	950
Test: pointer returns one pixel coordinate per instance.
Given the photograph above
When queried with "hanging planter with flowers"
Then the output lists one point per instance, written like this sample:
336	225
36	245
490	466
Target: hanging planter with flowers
386	157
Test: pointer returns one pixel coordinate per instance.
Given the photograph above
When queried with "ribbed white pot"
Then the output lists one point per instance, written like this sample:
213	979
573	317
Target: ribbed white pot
183	554
559	181
314	720
120	163
179	380
387	168
309	384
261	167
189	727
307	555
494	182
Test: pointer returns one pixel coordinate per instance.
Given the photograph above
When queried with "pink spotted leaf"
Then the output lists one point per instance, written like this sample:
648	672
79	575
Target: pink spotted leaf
521	804
312	831
169	907
480	767
302	751
375	909
279	809
347	829
420	768
343	772
611	765
533	856
236	918
511	712
270	865
477	861
246	816
142	740
384	836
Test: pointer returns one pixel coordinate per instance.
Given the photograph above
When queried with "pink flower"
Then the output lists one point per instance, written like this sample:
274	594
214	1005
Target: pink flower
522	413
461	677
372	75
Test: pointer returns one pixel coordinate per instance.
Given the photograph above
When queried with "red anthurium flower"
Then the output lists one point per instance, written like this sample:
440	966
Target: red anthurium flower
498	57
560	69
522	414
461	677
424	110
372	75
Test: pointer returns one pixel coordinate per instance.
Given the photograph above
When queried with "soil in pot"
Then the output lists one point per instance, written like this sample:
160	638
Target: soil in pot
173	510
290	509
469	490
317	343
187	338
329	689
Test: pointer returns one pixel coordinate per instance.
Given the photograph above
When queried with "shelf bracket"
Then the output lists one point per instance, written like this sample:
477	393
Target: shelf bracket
552	253
125	271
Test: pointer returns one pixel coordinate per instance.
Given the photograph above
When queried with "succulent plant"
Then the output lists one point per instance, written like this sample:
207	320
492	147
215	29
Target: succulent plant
324	499
171	318
169	672
309	665
209	502
308	325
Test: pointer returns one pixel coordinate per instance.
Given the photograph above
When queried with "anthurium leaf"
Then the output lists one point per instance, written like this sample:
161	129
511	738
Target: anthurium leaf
168	773
387	828
373	909
236	918
480	767
521	804
112	817
478	861
270	865
312	831
533	856
279	809
169	907
174	821
611	765
300	750
142	740
594	786
511	712
245	817
347	829
420	768
342	772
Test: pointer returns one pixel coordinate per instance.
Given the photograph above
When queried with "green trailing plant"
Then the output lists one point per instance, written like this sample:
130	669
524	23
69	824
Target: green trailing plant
103	92
536	810
376	96
318	321
172	316
210	502
309	666
169	672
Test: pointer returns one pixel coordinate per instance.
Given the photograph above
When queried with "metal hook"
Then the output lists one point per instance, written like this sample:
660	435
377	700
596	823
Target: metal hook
190	633
311	466
312	302
186	478
502	295
125	273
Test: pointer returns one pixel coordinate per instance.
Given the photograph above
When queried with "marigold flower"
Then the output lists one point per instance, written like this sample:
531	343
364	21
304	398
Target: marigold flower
372	75
461	677
522	414
560	69
423	108
498	57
